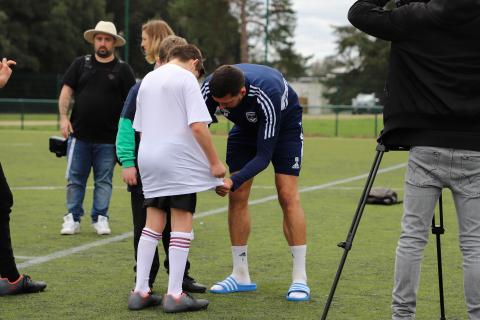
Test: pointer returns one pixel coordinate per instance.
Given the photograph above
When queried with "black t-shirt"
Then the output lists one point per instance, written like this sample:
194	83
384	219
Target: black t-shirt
99	94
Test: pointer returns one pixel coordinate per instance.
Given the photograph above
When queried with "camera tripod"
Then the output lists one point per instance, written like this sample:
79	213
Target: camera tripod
437	230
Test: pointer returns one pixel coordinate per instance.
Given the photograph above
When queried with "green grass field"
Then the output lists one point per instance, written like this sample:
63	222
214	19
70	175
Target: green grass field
348	125
95	283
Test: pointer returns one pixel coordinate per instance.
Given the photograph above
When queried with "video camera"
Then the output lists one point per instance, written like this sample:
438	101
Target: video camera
400	3
58	145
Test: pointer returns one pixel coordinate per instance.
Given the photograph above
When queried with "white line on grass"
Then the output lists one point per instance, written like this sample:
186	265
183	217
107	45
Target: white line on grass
347	180
67	252
360	188
70	251
24	257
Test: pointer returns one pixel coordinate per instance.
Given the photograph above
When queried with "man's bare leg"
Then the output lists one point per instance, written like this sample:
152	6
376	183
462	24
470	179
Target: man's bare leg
239	227
294	228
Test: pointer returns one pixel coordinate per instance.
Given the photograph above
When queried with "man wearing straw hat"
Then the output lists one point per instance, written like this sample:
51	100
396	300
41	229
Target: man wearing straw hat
98	84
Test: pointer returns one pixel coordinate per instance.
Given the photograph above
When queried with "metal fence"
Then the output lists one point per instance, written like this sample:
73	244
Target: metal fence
338	109
327	120
23	107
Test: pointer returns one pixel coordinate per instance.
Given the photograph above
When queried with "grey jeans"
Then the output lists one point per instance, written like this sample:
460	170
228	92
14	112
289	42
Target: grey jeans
429	170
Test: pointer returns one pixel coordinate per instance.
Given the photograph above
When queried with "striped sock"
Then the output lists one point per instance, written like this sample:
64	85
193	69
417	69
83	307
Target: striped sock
177	259
145	253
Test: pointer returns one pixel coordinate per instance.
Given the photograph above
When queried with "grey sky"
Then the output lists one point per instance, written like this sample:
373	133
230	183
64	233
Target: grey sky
313	35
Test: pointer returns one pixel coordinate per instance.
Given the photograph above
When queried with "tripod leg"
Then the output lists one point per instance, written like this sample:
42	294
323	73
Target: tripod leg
437	231
347	245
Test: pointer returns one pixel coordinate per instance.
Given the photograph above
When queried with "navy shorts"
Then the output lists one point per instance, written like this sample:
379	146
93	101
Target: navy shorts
286	158
186	202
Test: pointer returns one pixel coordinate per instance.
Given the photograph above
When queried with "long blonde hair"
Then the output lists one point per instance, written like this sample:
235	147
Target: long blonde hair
156	30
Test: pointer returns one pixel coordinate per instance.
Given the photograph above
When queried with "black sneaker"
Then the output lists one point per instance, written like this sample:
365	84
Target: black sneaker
136	301
190	285
184	303
24	284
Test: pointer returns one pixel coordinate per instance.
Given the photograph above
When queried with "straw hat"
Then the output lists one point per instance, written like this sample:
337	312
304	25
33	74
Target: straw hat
104	27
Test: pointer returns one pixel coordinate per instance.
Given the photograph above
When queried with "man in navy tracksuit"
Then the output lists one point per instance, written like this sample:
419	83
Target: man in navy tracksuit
268	128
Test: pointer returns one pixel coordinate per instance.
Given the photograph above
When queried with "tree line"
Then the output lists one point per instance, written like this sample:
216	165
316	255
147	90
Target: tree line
45	36
359	65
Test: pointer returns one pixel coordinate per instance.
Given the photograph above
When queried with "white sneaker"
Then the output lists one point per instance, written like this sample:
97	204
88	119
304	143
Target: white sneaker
69	226
101	226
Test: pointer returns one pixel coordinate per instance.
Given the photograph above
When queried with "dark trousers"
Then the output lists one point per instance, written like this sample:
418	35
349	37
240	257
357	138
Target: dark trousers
139	214
8	268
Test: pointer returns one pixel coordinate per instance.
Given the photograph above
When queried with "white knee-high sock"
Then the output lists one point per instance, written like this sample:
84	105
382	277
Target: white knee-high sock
177	259
299	274
240	264
145	253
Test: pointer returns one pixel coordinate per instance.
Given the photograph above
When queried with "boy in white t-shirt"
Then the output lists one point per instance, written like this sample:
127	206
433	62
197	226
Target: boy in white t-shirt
176	159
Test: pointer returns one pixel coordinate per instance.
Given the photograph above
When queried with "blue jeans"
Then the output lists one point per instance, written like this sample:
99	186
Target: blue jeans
81	157
430	170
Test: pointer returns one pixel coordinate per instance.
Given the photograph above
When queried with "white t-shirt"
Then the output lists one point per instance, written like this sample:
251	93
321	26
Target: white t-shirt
170	160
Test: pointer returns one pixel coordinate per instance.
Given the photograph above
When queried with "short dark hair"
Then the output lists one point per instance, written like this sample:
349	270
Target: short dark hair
226	80
188	52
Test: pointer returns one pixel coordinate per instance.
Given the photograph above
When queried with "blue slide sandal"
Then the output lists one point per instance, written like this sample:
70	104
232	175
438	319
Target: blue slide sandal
230	285
298	287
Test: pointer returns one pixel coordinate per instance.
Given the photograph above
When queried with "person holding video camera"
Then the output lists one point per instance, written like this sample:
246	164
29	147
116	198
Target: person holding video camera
11	282
433	108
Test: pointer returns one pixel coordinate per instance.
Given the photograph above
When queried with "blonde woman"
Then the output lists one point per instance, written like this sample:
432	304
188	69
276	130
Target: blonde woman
153	33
